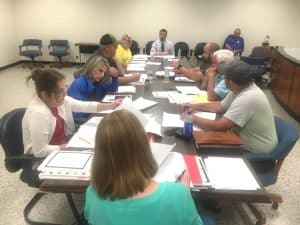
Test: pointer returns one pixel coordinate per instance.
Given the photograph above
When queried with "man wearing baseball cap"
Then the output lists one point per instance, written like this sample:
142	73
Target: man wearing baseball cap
246	111
108	46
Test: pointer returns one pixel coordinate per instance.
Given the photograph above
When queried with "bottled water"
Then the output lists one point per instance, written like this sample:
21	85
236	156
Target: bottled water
188	124
166	75
179	53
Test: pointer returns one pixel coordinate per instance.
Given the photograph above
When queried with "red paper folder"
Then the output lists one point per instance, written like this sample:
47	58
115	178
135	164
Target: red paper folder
192	167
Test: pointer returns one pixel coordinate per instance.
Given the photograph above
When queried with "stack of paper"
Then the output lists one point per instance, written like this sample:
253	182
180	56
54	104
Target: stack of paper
230	173
138	62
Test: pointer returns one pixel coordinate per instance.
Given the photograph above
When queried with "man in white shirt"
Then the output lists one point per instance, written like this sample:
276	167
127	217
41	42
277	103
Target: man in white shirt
162	46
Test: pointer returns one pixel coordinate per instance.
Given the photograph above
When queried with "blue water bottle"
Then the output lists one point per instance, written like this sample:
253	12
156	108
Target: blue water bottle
188	124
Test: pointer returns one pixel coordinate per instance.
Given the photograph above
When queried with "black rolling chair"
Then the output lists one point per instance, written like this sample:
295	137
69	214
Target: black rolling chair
31	48
12	143
259	60
184	48
147	48
59	49
198	52
134	47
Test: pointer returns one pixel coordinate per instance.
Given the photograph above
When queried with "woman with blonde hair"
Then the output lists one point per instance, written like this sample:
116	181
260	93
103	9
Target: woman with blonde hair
48	119
123	52
92	84
122	190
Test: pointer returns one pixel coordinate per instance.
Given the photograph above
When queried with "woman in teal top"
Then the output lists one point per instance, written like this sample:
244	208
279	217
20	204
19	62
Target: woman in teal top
122	190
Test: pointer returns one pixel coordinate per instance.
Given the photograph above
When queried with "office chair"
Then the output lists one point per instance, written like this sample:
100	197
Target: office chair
31	48
267	165
134	47
147	48
259	60
184	47
12	143
198	51
58	48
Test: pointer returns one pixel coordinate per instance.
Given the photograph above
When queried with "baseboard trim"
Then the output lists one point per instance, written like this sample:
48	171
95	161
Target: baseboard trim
10	65
24	61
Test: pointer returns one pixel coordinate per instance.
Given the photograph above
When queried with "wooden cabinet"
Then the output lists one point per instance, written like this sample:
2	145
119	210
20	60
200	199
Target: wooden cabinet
285	83
294	99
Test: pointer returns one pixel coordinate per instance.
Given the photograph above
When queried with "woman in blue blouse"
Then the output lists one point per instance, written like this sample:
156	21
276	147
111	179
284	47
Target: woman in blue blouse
92	85
122	190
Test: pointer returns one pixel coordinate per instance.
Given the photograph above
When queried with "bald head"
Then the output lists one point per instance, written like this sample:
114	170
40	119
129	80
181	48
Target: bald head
209	50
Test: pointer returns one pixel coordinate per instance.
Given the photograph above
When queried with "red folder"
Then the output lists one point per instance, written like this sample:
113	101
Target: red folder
192	167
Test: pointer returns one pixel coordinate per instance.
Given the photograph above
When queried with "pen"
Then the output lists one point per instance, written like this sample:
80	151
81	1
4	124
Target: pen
83	139
178	178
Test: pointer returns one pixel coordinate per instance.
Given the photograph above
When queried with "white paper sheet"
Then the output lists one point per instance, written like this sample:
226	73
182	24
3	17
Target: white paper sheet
171	168
171	120
142	103
153	127
206	115
154	63
184	80
111	98
160	151
190	90
126	89
160	94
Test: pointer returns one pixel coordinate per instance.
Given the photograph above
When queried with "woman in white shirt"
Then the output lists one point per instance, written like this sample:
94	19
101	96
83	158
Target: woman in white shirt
48	119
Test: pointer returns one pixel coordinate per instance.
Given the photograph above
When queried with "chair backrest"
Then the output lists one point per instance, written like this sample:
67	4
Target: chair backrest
287	137
261	51
11	137
183	46
148	47
61	43
134	47
32	42
199	49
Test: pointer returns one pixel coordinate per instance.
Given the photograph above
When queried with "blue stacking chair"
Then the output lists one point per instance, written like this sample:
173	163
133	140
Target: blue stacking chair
59	49
31	48
267	165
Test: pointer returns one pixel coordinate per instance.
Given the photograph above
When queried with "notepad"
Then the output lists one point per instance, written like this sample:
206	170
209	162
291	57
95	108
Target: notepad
184	80
190	90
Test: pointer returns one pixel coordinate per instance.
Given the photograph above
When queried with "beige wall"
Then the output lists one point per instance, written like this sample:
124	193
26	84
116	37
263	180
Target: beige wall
8	46
190	20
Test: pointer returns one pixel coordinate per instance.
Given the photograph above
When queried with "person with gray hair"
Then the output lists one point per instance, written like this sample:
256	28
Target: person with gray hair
214	79
93	84
245	111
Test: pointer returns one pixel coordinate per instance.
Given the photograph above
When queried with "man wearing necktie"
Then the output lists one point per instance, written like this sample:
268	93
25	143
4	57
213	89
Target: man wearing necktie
162	46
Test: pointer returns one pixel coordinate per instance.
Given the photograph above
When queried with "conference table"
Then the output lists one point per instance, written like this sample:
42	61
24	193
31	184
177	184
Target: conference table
182	146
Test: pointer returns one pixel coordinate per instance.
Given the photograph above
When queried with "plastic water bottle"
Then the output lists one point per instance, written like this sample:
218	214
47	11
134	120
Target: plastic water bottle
166	75
179	53
188	124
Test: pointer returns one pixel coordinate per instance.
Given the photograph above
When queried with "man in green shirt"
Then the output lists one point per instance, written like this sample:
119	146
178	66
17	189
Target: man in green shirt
245	110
